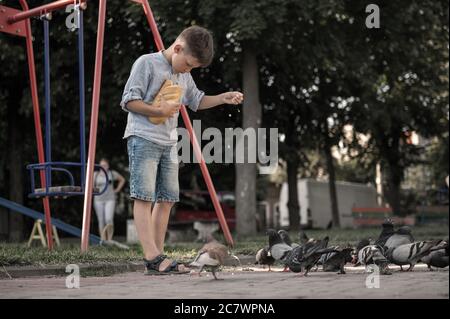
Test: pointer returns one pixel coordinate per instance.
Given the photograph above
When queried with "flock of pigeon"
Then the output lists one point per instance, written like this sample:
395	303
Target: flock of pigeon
393	246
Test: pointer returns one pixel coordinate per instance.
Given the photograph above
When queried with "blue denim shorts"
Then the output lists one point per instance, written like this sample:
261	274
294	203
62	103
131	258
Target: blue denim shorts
153	171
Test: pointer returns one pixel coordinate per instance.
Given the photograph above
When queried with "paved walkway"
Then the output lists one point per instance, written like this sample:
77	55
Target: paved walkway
237	283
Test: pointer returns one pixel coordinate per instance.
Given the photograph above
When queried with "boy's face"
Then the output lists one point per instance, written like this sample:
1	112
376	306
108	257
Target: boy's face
183	62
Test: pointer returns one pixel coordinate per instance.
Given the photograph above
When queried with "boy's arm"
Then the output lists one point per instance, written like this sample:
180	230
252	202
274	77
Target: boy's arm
209	101
166	109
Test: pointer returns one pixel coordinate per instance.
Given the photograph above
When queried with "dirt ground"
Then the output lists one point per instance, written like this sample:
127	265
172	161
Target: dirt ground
248	283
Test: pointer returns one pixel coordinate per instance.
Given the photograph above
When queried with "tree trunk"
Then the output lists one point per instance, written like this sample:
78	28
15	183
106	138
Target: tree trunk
293	203
15	161
390	150
246	204
394	182
332	184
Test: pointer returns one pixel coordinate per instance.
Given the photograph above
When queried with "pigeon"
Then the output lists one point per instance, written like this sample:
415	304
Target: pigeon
303	258
335	261
278	249
212	255
361	244
405	231
263	257
410	254
285	237
323	258
400	237
438	256
303	238
373	255
326	256
386	232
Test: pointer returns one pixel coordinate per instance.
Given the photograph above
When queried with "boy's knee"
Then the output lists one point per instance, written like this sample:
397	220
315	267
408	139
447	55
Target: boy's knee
166	204
142	203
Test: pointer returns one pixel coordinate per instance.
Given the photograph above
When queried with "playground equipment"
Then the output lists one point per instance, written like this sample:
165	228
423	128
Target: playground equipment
38	234
16	22
49	166
69	229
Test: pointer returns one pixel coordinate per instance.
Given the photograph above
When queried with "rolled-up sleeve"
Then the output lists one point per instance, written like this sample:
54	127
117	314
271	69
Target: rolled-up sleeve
138	82
193	95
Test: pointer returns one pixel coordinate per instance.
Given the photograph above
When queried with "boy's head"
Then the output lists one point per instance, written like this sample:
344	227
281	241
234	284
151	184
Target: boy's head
192	49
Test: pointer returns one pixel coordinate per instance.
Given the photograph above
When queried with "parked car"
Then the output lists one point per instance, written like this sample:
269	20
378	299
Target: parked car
197	206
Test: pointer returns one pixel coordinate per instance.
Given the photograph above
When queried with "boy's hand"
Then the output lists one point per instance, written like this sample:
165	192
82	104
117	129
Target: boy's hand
169	108
232	98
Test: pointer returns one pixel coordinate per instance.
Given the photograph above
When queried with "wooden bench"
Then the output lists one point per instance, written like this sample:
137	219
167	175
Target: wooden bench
432	214
375	216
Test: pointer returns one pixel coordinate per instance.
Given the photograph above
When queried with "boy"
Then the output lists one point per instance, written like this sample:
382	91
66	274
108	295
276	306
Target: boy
152	147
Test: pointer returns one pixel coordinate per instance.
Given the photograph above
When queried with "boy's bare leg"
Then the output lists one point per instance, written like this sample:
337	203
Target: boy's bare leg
160	219
143	221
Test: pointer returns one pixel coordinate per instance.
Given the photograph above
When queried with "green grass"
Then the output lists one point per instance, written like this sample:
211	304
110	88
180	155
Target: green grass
20	255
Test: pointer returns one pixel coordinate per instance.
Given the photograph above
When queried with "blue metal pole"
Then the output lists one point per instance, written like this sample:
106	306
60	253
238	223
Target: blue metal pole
48	141
82	96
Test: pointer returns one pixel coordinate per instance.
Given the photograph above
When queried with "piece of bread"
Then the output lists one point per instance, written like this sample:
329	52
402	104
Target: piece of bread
171	92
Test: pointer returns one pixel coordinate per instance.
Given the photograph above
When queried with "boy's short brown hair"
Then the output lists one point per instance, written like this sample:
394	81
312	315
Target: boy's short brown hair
199	43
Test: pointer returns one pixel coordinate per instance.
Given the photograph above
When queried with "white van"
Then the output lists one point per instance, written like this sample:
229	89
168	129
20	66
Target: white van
315	204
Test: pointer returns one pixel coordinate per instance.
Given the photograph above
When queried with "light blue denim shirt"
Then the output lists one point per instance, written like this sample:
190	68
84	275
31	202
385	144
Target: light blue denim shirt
146	78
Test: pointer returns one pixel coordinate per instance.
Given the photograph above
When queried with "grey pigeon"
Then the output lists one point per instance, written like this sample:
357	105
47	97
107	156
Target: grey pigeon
325	257
400	237
263	257
438	257
410	254
335	261
285	237
361	244
406	231
278	249
303	238
212	255
303	258
386	232
373	255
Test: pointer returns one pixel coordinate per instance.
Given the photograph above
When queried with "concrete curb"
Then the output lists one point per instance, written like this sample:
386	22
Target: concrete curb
105	269
60	270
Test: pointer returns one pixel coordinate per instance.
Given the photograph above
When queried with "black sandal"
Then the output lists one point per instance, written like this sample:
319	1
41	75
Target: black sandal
152	267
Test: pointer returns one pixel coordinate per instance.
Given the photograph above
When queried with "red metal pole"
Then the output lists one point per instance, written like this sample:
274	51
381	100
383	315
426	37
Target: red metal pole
27	13
93	129
37	123
195	145
151	21
207	177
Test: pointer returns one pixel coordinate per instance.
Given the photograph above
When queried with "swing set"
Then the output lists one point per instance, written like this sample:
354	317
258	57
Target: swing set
17	22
